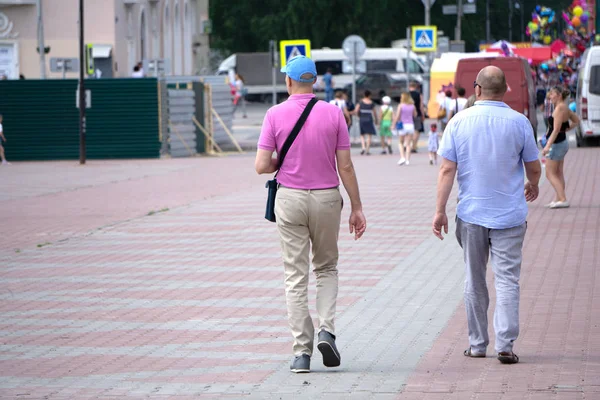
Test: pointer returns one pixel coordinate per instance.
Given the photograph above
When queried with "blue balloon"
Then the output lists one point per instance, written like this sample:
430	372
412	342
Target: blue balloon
538	9
573	106
544	66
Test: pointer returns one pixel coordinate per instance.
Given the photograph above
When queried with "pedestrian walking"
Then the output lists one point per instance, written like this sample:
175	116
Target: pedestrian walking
471	101
308	205
444	110
492	206
2	144
365	109
240	95
340	103
548	109
415	92
138	71
432	144
328	81
386	114
404	126
557	145
459	103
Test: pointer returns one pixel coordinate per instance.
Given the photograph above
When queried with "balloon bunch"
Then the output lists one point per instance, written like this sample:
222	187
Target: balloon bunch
540	26
577	17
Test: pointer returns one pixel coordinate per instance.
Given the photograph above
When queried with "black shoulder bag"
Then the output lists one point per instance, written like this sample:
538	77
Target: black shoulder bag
272	184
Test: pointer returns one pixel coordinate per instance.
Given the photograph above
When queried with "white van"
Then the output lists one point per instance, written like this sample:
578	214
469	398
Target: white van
588	96
393	60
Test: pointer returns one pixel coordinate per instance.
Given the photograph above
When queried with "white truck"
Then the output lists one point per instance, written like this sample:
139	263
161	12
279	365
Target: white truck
256	69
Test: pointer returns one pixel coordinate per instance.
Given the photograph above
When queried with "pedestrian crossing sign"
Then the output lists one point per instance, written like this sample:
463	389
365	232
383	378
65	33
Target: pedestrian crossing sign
424	38
292	48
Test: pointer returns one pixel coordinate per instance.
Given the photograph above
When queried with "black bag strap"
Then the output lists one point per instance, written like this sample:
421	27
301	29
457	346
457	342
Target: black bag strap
290	139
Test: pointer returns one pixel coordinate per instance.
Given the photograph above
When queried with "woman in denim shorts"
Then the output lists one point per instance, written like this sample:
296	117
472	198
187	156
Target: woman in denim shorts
557	145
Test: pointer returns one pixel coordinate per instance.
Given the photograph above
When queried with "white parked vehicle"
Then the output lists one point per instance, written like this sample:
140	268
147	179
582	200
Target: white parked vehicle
257	71
588	96
396	61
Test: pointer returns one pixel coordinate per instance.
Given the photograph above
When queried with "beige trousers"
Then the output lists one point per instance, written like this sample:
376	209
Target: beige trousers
306	217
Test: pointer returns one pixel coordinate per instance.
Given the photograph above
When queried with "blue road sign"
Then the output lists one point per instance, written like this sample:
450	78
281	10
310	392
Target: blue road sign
424	38
293	48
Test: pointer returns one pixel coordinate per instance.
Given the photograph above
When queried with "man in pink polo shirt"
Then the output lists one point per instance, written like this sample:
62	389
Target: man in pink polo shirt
308	206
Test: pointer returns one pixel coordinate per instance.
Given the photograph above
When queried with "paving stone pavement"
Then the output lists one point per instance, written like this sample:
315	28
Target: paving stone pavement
160	279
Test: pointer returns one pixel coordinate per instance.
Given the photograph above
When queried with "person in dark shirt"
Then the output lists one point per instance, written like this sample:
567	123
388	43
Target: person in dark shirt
417	97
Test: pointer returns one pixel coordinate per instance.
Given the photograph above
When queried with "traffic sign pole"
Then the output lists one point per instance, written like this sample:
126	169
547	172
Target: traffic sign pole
354	47
274	70
407	58
354	57
82	105
427	80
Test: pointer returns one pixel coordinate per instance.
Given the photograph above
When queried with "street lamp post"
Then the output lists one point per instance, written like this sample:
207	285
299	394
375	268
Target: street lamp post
522	7
510	18
40	35
82	152
488	36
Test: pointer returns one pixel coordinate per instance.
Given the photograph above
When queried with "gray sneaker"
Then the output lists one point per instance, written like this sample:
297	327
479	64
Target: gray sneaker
326	345
300	364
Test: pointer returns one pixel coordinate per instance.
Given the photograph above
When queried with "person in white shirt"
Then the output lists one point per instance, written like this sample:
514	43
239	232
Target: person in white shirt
137	72
2	141
459	103
340	103
444	110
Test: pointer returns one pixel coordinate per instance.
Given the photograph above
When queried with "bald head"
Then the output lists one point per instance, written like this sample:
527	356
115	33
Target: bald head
492	83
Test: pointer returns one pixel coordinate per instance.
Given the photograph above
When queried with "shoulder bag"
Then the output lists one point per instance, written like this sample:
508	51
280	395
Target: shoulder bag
271	185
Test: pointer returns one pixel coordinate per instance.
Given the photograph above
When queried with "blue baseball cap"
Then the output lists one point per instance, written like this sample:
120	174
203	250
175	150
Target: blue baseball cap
298	66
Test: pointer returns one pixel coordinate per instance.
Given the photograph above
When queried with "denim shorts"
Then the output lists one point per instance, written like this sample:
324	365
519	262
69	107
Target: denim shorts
558	151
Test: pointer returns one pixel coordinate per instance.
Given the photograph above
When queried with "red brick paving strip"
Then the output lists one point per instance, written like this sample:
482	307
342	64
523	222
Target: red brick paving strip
559	343
138	306
188	301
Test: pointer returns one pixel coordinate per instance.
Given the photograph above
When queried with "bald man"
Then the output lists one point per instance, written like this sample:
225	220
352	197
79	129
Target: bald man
490	147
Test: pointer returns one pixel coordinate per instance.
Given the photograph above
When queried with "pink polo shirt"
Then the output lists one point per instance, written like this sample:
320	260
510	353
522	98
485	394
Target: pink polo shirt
310	162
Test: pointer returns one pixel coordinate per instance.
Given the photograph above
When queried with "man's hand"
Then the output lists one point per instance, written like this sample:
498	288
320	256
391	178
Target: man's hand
440	220
358	224
531	191
546	150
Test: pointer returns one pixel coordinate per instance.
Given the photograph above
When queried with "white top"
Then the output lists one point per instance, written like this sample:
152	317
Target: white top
137	74
432	133
1	128
239	85
462	102
339	103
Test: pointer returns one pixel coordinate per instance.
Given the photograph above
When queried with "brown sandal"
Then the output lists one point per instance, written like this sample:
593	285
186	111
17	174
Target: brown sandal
508	358
469	353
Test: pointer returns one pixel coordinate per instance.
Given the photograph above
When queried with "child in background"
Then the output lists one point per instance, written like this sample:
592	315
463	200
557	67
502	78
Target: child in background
433	144
385	116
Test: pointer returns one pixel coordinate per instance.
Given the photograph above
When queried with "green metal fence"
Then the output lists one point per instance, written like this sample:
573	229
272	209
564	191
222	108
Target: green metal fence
41	121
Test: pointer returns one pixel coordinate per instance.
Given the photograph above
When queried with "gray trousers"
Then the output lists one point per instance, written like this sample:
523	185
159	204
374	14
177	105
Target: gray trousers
505	247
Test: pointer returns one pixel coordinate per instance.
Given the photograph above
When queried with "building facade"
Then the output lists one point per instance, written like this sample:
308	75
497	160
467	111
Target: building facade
120	33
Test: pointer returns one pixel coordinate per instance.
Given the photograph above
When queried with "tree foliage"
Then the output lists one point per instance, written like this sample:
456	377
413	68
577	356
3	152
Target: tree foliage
247	26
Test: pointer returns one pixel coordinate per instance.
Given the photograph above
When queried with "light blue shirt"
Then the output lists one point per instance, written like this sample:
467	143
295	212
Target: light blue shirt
489	143
327	78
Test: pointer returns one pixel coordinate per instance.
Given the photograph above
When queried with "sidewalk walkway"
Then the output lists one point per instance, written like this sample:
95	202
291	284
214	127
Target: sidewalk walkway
180	293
